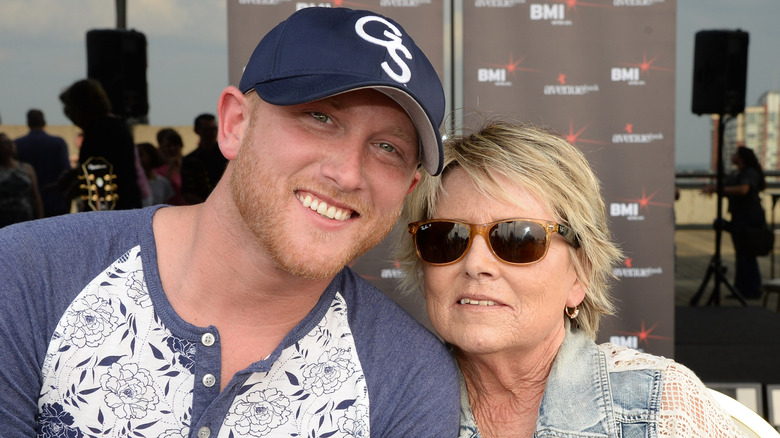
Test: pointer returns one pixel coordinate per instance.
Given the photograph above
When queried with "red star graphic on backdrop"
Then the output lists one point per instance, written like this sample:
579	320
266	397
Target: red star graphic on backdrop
645	66
513	66
629	128
574	137
572	4
645	334
628	262
562	79
646	201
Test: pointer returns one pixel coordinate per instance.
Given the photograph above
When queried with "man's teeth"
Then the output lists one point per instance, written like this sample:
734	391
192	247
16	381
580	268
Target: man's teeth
478	302
324	209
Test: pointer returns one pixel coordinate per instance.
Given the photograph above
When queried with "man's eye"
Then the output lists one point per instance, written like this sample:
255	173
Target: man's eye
387	147
320	117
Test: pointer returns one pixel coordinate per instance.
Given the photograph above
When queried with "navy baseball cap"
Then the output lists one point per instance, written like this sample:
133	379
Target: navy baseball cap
320	52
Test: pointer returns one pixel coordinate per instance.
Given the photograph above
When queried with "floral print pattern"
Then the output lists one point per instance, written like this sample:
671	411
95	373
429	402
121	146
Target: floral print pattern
54	422
329	373
114	369
89	321
261	412
129	390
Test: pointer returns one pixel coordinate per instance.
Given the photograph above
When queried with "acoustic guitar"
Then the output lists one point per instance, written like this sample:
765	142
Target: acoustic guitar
98	184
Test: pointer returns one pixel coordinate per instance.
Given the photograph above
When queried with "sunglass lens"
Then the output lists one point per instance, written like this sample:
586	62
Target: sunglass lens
441	242
518	241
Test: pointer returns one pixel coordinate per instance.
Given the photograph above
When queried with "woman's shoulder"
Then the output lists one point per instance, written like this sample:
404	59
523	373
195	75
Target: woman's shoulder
620	358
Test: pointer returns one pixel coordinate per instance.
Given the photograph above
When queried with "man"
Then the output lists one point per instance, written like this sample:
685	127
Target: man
203	167
237	316
48	155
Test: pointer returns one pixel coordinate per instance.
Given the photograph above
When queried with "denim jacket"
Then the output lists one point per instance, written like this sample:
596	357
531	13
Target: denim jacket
583	398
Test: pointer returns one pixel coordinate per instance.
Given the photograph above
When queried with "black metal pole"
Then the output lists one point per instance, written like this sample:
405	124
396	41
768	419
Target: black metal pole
716	270
121	14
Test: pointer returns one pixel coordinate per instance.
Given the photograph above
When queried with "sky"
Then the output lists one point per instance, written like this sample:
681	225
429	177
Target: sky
43	50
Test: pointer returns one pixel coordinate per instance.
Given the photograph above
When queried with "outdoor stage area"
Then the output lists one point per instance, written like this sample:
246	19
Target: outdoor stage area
729	345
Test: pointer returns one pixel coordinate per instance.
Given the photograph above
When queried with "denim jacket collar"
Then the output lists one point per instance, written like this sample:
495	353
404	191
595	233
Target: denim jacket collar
577	399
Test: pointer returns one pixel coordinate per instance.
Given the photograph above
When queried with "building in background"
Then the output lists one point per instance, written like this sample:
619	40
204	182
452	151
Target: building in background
757	128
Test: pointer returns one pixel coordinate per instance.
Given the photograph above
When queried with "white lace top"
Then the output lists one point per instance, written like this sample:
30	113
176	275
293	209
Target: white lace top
687	409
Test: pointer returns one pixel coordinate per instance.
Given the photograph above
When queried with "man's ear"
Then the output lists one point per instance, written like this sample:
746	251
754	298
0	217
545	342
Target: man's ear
233	120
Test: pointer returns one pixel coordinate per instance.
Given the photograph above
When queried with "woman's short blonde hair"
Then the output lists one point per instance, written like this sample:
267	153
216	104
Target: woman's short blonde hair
560	176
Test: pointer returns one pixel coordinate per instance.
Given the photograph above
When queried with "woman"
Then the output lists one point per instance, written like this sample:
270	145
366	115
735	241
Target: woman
742	189
522	311
159	187
19	197
171	145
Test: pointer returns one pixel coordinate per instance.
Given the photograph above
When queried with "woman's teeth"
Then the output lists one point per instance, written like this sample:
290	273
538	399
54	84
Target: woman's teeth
478	302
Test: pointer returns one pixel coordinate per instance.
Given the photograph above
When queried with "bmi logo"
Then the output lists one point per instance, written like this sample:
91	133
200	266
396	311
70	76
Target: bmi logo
304	5
625	341
629	210
495	75
498	74
633	339
630	75
555	14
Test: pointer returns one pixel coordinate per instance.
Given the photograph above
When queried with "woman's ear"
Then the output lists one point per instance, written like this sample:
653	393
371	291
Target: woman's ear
579	285
233	118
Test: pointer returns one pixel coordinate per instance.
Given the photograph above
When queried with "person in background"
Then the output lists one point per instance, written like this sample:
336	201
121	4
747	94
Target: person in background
742	188
48	155
202	168
19	197
512	250
159	187
87	106
239	316
171	145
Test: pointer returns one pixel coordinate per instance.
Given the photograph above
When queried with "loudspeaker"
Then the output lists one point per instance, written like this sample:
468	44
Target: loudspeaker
117	58
720	72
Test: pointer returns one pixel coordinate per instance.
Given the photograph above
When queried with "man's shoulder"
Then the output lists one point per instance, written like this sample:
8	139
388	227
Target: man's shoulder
70	232
379	319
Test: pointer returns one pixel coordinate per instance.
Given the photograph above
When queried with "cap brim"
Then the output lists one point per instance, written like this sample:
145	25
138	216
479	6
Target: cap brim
297	90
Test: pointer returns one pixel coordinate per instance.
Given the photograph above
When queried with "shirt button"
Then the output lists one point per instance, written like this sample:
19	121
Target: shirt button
204	432
209	380
207	339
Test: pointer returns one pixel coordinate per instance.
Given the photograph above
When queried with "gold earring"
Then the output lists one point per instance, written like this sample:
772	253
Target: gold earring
573	313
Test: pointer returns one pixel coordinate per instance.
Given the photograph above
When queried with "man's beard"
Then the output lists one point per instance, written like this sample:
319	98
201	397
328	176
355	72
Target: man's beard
261	199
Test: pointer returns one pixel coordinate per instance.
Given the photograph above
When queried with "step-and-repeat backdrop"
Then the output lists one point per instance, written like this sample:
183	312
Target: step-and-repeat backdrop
600	72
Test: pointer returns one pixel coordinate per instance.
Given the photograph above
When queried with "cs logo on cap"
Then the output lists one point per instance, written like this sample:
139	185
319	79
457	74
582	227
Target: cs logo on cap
393	44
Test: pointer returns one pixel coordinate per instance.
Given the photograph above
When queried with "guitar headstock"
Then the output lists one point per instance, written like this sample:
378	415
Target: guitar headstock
98	184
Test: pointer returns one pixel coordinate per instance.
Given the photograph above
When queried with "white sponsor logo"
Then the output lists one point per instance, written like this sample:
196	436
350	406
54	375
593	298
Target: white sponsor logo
625	341
570	90
402	3
393	45
304	5
392	273
635	2
629	75
629	210
495	75
497	3
637	138
637	272
555	14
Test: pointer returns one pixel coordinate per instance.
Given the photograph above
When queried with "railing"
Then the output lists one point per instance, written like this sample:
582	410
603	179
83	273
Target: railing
696	210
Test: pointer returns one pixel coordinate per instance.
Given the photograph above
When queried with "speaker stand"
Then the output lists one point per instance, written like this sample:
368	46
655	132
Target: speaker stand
716	270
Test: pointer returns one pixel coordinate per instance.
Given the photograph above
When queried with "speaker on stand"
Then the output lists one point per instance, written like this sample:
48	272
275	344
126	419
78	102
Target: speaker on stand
117	59
719	84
